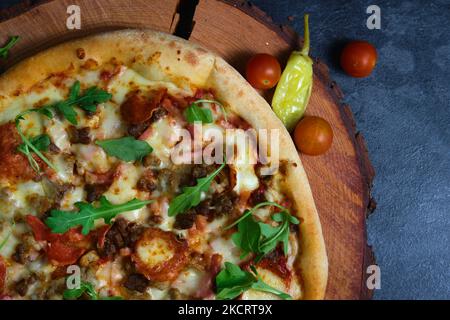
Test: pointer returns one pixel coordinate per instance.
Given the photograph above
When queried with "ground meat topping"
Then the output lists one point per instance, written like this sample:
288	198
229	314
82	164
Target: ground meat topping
148	182
185	220
136	130
122	234
223	204
258	196
95	191
136	282
21	286
79	135
158	114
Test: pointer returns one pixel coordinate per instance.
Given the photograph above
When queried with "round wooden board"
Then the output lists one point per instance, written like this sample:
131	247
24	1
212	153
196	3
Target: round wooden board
340	180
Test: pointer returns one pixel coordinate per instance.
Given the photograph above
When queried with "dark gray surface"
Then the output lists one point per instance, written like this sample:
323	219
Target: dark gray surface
403	110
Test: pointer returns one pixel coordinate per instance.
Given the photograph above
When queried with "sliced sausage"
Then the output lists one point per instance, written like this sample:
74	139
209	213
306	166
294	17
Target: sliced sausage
159	255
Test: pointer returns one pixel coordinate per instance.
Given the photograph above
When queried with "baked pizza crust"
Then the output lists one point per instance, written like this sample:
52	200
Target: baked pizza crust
165	57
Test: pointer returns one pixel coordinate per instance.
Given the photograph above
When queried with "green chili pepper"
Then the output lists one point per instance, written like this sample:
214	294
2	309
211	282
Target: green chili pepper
294	88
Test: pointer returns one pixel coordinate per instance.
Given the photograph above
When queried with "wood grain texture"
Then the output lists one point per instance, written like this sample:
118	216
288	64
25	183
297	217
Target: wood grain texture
340	180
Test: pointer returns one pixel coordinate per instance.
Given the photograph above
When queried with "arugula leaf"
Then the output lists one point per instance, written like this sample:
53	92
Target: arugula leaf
61	221
88	288
248	236
5	50
274	235
28	145
92	97
41	142
191	196
195	113
126	148
262	238
88	101
233	281
5	240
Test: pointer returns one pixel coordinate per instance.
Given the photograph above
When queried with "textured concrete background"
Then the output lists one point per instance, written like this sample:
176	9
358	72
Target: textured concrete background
403	110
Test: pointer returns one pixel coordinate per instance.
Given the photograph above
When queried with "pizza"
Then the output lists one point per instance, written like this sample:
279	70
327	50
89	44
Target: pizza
132	167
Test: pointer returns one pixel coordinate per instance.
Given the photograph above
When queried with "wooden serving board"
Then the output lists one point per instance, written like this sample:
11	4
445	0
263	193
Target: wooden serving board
340	180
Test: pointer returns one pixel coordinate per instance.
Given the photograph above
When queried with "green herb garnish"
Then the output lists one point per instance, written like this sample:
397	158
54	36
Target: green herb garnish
34	144
195	113
41	142
5	241
261	238
87	101
61	221
88	288
5	50
233	281
126	148
191	196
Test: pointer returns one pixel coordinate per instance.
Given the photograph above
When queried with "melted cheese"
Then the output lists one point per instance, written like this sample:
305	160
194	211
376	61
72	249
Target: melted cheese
111	125
244	160
272	280
71	197
154	252
14	199
56	129
227	249
47	94
189	281
92	158
162	136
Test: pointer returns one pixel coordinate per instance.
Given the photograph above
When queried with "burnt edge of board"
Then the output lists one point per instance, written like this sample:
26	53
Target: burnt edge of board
18	9
321	70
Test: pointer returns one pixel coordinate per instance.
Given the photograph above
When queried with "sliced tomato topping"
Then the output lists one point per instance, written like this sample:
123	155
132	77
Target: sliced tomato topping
2	274
62	249
101	235
40	231
15	165
276	262
62	254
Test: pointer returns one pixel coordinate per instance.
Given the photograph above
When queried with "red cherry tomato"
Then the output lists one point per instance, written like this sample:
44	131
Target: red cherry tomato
313	135
263	71
358	58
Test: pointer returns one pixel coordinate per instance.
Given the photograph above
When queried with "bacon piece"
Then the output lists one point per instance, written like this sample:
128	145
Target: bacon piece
207	287
138	109
159	255
14	165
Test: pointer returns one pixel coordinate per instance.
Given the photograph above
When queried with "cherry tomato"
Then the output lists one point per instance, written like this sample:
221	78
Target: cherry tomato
358	58
313	135
263	71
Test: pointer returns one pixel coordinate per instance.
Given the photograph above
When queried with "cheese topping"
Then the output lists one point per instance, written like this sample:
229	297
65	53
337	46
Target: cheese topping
190	241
